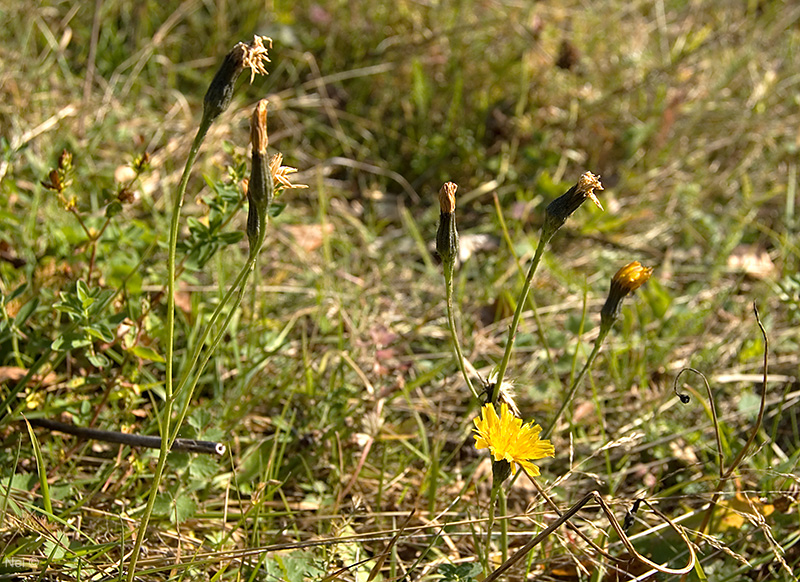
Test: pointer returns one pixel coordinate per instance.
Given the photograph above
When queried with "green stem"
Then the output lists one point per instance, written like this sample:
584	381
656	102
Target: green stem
239	285
177	204
512	331
503	507
490	524
451	322
577	382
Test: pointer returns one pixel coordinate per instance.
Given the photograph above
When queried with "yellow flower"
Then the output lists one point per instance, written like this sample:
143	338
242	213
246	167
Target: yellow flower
509	440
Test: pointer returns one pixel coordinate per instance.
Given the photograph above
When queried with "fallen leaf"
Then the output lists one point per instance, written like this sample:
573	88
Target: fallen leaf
735	511
752	261
309	236
15	374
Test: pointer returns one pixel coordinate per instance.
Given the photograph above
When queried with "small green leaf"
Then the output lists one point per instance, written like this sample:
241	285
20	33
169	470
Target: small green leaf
113	209
70	341
185	507
275	210
203	467
147	353
26	311
98	360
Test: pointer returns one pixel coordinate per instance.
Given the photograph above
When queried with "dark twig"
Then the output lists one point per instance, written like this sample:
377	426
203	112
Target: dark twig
133	440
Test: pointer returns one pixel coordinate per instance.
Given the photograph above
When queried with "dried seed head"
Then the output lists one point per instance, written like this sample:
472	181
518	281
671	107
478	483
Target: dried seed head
565	205
625	281
587	184
220	91
447	197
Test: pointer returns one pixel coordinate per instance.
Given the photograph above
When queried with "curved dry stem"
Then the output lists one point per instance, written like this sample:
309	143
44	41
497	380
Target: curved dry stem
570	525
523	551
759	419
713	408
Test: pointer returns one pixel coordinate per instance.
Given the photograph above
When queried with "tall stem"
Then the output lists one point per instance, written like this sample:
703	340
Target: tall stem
166	413
577	382
451	322
512	331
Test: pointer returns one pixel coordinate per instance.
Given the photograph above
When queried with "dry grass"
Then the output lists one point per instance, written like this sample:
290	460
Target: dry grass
336	389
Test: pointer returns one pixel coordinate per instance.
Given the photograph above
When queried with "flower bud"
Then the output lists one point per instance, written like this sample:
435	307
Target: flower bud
626	280
447	235
565	205
260	187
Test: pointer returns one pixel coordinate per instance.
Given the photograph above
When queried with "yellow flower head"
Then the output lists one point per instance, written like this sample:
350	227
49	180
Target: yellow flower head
509	440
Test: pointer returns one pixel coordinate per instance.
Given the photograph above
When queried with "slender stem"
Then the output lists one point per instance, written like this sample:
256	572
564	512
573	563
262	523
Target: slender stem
239	285
577	382
750	440
503	508
531	300
451	322
512	331
177	204
490	523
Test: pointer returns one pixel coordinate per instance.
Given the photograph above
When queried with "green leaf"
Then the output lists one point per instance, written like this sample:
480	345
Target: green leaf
275	210
113	209
101	331
460	572
70	341
202	467
301	566
185	508
98	360
146	353
83	294
26	311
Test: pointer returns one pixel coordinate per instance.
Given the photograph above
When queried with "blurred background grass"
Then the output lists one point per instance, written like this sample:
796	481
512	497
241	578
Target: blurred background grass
688	111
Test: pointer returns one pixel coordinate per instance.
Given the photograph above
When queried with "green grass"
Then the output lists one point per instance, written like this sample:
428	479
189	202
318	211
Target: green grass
335	387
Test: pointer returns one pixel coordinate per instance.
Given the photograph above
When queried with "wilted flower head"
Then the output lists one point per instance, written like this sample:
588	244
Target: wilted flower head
280	173
447	197
565	205
259	138
447	234
220	91
625	281
509	440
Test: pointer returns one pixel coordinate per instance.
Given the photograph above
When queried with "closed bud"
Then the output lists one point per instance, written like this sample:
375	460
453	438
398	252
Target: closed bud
260	187
65	161
560	209
447	235
625	281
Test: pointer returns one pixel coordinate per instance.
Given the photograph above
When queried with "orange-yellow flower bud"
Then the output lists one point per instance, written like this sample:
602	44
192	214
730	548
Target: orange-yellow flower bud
625	281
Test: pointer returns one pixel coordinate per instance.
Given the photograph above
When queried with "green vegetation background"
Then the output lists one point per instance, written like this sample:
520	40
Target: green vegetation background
335	388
